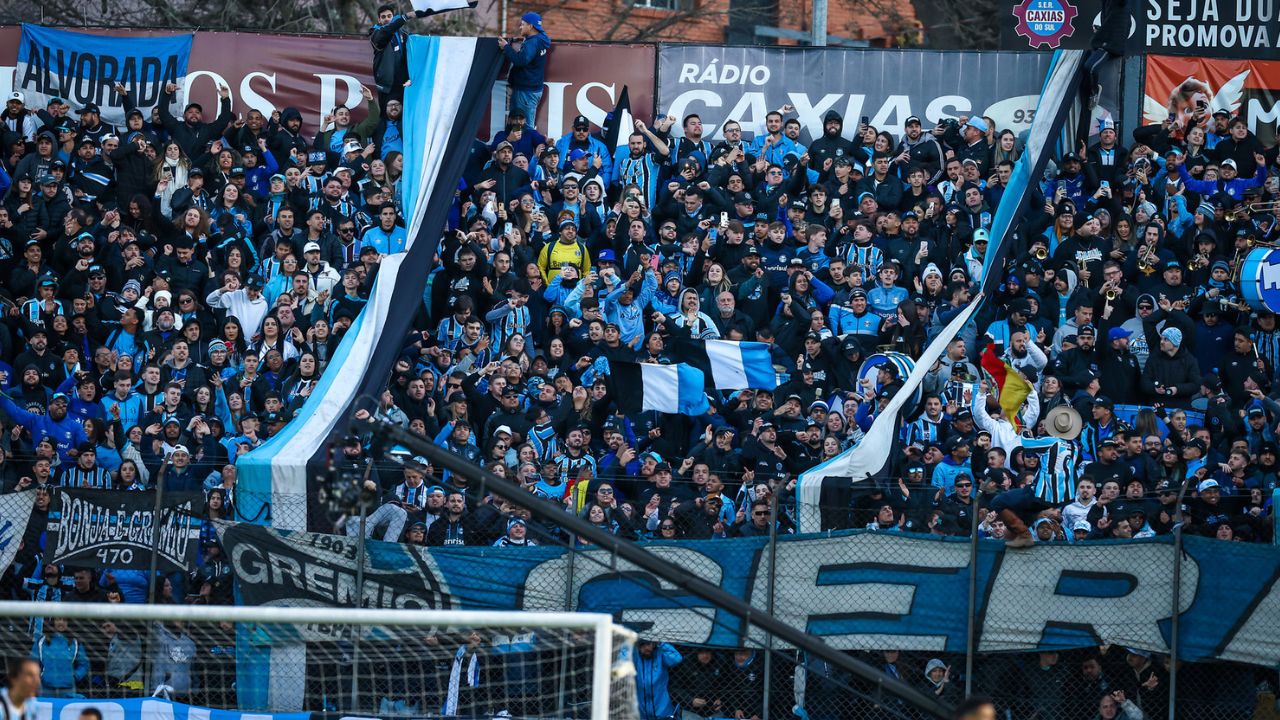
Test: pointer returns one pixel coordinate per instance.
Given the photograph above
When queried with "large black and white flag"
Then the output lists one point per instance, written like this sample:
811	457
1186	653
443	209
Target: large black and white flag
874	455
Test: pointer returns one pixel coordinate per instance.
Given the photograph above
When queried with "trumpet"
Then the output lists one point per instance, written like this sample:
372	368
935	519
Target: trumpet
1040	253
1196	263
1111	294
1146	261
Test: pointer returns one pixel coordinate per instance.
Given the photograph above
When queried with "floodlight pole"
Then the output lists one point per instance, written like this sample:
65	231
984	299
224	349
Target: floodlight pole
673	574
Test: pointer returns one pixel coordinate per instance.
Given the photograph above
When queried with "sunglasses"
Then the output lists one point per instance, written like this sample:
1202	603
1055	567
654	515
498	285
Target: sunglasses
760	513
605	491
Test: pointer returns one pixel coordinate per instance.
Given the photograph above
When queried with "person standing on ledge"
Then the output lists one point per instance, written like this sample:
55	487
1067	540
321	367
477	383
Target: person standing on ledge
528	66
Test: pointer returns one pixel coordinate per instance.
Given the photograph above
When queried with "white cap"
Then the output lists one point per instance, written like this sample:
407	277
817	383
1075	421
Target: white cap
1230	162
502	429
1207	484
311	247
181	449
1082	525
17	95
352	146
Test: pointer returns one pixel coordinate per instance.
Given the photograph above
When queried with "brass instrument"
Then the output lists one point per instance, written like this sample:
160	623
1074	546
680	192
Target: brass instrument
1082	265
1041	253
1111	294
1244	210
1196	263
1146	261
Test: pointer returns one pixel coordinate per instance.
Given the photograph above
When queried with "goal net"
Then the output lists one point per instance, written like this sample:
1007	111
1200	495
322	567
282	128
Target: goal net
338	662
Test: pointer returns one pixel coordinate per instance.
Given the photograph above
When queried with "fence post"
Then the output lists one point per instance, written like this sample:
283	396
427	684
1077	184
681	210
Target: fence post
768	599
358	629
568	607
971	603
1174	624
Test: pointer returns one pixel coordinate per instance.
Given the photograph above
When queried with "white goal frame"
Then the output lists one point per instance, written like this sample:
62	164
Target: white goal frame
603	627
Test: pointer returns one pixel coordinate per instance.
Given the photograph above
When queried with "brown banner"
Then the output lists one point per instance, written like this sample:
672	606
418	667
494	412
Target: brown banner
314	74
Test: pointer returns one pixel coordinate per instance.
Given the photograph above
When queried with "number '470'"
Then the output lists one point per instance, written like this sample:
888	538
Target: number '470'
115	556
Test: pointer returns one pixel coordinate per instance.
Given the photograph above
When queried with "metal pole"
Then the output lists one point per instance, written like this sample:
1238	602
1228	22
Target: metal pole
568	607
972	629
358	630
154	566
768	599
1174	622
678	577
819	23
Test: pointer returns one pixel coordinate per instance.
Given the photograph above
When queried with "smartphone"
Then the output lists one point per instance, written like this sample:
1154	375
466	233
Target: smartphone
1062	187
724	218
1106	184
506	229
1173	117
835	202
866	120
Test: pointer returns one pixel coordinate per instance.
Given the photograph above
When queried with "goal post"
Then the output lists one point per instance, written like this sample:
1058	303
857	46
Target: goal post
462	663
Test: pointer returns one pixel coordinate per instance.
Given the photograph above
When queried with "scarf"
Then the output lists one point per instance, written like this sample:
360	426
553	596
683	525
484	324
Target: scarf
455	679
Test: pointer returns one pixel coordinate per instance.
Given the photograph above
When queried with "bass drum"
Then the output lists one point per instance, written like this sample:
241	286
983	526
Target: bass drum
1260	279
902	362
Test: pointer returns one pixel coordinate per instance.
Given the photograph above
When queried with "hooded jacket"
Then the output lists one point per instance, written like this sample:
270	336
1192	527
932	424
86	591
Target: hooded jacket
829	146
1181	371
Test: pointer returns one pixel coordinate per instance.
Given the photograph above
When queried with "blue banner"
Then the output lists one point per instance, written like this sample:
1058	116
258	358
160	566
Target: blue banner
858	590
147	709
82	68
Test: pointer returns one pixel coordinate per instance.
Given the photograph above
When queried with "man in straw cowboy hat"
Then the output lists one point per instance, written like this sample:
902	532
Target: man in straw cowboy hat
1018	506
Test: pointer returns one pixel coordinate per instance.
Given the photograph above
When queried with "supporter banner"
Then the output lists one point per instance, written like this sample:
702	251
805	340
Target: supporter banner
888	86
1207	28
1201	28
82	68
115	529
1250	87
15	512
858	590
146	709
315	74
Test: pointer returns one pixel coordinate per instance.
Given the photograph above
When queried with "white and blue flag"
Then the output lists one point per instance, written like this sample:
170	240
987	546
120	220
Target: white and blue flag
676	389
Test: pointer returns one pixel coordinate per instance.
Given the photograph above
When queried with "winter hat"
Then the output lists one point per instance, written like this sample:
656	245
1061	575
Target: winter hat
133	285
934	664
1206	210
1148	207
1173	335
931	269
673	275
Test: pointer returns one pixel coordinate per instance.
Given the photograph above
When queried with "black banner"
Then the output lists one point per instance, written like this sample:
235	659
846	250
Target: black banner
296	568
1247	29
115	529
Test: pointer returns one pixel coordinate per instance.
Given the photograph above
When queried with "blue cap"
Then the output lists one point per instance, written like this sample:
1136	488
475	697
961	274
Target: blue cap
533	19
1117	332
606	255
577	155
59	396
977	123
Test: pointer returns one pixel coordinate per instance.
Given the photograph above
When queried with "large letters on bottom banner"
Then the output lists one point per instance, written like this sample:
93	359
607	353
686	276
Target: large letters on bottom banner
858	590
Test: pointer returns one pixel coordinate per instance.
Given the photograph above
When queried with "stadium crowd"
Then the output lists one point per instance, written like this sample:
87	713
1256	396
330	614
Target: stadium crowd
174	288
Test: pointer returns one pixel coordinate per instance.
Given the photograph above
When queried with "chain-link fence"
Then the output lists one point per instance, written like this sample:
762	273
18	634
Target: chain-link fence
967	631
